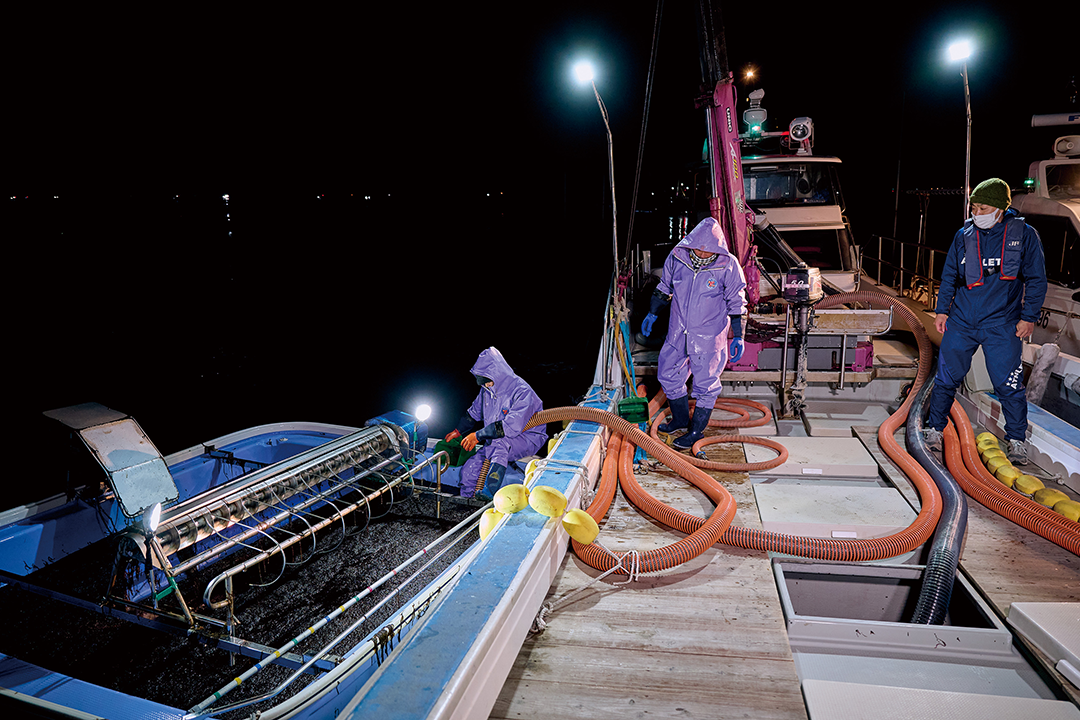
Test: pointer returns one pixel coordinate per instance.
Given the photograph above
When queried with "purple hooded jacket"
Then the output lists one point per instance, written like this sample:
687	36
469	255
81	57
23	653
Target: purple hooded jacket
702	301
510	400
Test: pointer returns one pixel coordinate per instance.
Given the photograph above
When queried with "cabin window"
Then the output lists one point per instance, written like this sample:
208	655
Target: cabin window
1060	244
790	184
1063	180
819	248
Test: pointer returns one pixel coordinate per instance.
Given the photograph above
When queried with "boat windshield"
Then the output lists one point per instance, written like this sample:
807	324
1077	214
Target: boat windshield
1063	180
787	184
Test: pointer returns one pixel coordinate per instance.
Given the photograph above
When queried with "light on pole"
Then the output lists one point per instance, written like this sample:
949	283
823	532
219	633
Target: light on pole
583	72
962	51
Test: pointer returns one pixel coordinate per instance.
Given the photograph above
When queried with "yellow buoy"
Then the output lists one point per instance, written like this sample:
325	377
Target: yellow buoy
985	436
488	521
1006	475
581	526
512	498
1049	496
994	463
1028	484
991	452
1068	508
546	500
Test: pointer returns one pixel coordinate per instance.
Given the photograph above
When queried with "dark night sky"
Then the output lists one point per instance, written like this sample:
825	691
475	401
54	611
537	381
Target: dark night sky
128	299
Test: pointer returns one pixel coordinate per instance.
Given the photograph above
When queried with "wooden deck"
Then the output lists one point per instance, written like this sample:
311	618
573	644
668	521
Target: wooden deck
708	639
1011	564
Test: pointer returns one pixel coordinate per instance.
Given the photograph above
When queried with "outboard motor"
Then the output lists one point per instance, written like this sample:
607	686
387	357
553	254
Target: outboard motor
802	290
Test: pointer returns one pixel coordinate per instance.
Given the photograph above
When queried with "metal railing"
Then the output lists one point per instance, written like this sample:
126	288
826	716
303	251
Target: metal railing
911	270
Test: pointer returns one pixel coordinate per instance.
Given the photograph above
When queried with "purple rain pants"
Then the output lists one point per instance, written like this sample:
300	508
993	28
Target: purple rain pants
501	451
676	365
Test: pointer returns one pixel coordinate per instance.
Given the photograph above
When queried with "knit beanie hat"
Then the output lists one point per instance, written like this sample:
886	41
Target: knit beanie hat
993	192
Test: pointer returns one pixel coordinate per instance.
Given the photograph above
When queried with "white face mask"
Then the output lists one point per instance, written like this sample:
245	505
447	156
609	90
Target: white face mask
987	221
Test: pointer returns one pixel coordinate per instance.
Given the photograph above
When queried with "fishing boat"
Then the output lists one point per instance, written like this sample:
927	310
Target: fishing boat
799	562
1050	201
182	542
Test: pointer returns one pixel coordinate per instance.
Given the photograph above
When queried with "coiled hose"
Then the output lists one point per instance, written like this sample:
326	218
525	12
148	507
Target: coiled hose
735	405
858	550
704	536
939	576
962	459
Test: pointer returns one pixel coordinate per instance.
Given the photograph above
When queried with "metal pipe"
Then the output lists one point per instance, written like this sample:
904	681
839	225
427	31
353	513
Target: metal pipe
230	623
329	457
228	542
879	258
156	549
201	708
438	458
967	155
787	329
280	547
843	358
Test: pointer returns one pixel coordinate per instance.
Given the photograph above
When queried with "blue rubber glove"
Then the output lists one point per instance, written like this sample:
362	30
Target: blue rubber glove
735	349
647	323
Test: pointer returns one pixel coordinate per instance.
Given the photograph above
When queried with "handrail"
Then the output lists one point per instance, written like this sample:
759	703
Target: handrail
203	708
913	271
279	547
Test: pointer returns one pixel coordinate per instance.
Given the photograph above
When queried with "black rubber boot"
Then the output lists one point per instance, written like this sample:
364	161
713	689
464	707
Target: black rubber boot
492	483
680	415
697	429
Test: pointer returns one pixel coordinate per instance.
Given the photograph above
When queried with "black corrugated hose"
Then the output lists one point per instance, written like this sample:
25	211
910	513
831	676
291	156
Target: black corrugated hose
940	573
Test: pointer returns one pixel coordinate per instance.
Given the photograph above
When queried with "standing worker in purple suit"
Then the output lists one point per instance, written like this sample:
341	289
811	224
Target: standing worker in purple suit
504	405
706	287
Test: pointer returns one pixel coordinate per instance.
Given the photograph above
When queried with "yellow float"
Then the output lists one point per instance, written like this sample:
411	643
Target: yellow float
1028	485
512	498
548	501
488	521
1006	475
1068	508
581	526
1049	497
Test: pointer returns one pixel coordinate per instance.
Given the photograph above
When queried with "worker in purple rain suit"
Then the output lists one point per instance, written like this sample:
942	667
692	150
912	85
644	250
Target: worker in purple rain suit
706	288
993	302
504	405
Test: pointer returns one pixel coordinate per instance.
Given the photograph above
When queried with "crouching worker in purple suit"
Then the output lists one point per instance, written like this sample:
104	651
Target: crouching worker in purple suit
706	289
505	403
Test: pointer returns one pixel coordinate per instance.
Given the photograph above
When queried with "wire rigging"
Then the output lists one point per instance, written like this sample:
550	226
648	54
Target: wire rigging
644	126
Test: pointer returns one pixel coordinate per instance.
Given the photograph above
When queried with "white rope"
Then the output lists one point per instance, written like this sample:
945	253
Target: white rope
633	573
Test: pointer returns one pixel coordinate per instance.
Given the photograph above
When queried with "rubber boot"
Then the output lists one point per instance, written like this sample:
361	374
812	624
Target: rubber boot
697	429
492	482
680	415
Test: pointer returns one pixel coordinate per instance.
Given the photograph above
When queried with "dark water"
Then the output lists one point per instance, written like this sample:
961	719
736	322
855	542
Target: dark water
200	316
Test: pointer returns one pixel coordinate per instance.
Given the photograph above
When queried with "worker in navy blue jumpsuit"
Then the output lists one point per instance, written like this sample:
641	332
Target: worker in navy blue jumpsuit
993	302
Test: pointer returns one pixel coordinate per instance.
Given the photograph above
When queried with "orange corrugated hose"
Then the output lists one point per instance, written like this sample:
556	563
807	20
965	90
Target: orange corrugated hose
962	459
735	405
822	548
621	451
